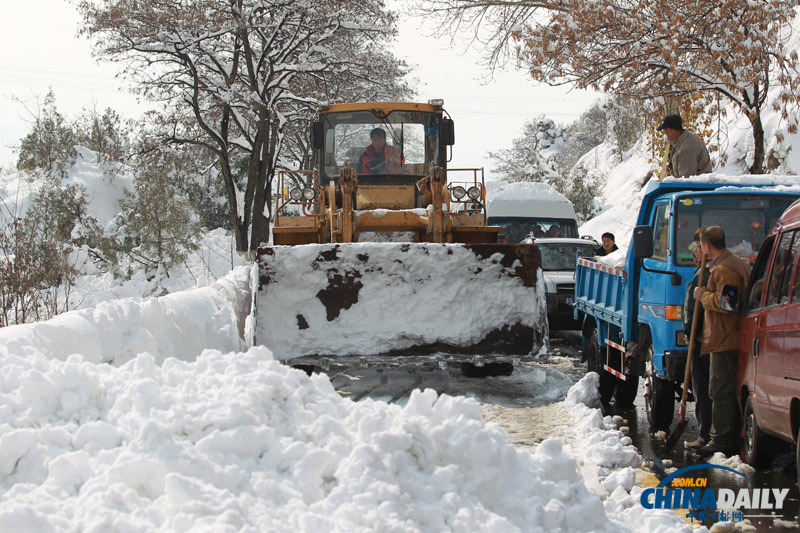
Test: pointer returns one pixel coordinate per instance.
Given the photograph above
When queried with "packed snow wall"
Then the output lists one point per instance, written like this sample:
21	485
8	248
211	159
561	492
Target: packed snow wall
374	298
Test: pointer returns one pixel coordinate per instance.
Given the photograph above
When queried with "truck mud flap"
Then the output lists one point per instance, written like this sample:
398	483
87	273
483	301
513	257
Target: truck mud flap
378	298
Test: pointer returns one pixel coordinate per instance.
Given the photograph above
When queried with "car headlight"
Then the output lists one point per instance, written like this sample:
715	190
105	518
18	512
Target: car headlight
309	194
474	192
296	193
459	192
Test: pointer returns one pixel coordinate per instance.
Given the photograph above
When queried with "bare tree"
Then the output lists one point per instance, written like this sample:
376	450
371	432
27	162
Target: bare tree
655	49
232	76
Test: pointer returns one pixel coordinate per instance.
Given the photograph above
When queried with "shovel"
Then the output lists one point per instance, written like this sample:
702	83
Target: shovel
682	421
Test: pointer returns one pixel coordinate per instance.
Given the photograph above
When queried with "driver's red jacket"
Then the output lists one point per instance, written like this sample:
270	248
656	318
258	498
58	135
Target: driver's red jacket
391	156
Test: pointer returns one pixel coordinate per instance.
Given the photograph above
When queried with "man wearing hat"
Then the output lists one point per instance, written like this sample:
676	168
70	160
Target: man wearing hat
688	155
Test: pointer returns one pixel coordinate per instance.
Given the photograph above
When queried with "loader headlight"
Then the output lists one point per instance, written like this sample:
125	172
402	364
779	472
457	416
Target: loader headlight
474	192
309	194
296	193
459	192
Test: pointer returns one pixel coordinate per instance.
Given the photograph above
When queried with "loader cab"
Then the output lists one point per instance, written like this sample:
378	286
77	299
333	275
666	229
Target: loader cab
417	136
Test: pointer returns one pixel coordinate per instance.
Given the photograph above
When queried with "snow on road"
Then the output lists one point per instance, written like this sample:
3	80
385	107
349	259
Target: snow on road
226	440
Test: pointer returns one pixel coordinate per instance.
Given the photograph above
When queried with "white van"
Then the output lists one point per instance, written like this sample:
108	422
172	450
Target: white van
528	208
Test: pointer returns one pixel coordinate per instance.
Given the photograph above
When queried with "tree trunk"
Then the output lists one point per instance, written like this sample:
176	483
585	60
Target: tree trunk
758	144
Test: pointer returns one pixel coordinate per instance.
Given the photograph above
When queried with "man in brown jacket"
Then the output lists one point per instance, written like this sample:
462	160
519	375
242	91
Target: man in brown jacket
721	340
688	155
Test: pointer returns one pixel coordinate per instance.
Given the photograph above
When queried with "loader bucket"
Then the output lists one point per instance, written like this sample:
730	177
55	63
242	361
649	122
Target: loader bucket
361	299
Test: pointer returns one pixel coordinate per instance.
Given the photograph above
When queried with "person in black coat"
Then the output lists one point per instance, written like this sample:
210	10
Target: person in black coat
608	245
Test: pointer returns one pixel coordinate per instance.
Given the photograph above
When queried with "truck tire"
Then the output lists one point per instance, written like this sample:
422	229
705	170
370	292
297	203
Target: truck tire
626	390
607	381
659	397
753	438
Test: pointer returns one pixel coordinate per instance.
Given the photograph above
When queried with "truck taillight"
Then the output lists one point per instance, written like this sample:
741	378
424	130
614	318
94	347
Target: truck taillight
674	312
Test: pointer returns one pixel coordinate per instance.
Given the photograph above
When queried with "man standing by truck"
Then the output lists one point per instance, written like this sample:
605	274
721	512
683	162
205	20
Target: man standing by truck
721	341
688	155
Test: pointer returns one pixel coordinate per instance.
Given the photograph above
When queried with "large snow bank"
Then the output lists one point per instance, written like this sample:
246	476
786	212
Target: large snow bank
178	325
240	442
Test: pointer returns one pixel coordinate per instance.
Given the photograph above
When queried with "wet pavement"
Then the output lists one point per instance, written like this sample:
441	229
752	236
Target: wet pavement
778	474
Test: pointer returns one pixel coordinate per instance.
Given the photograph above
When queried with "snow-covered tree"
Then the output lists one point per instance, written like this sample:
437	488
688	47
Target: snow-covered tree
659	49
233	76
50	143
532	156
157	225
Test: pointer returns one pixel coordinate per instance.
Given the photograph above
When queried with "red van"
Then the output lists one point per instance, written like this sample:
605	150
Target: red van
768	383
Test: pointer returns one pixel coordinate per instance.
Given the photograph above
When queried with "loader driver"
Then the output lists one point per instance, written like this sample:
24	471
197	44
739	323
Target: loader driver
379	157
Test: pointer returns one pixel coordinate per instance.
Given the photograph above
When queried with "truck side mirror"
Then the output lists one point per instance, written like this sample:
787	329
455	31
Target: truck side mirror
448	133
317	135
643	242
729	298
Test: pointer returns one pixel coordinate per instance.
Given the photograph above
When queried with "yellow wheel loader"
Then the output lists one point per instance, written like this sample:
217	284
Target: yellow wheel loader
381	254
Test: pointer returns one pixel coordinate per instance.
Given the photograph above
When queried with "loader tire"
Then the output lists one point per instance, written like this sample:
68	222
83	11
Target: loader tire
469	370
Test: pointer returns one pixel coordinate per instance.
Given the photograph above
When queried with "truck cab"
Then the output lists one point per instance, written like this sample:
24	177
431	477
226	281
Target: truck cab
633	324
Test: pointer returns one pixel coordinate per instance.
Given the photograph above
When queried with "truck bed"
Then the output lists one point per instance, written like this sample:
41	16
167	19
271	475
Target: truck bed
600	291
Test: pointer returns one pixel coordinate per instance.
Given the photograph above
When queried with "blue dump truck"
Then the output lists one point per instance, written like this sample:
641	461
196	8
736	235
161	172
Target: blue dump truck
633	316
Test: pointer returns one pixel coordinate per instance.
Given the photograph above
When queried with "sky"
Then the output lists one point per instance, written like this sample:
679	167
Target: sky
48	53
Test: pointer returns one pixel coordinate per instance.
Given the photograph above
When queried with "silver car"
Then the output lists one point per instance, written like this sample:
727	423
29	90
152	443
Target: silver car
559	258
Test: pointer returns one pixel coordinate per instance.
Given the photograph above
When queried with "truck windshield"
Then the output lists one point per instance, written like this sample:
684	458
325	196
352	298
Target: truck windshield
745	219
411	137
563	256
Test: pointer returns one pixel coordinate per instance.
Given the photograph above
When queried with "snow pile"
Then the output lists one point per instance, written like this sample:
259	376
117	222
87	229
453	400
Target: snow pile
179	325
609	463
586	391
603	444
241	442
371	298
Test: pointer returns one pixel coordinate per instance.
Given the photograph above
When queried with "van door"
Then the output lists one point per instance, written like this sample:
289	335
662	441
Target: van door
749	334
771	383
791	357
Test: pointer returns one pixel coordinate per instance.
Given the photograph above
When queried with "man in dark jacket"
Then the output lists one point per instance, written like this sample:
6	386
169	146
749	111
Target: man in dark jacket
721	341
608	245
688	155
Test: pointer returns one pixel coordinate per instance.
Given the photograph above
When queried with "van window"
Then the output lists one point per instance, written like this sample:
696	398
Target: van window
759	275
781	275
661	233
